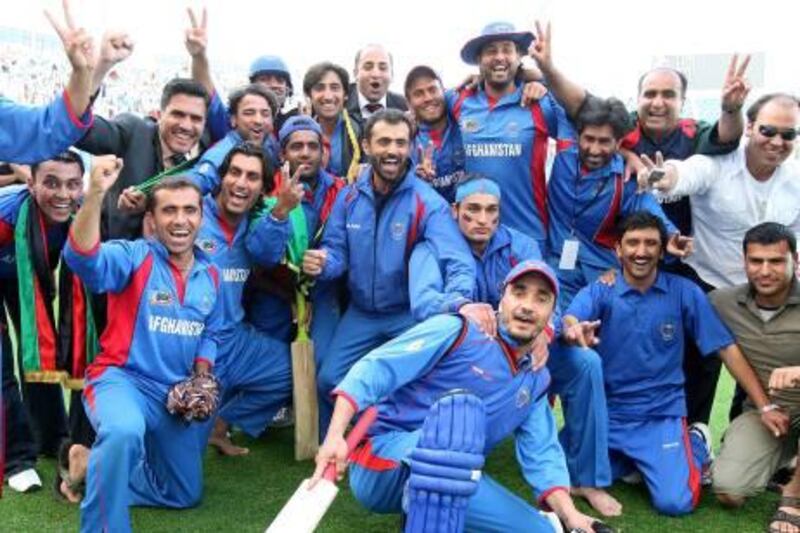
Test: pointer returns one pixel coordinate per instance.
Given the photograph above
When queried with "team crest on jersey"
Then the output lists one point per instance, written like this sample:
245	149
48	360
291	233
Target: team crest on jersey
523	397
512	129
161	298
667	330
470	125
397	229
209	246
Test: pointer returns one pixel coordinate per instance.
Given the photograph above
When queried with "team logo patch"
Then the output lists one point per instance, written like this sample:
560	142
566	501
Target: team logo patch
667	330
523	397
161	298
470	125
398	230
512	129
415	346
209	246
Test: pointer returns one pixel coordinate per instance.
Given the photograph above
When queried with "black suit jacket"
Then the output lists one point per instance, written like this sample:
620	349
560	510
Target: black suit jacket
393	101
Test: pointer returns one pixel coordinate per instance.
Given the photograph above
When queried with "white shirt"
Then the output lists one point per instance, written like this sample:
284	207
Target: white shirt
363	103
726	202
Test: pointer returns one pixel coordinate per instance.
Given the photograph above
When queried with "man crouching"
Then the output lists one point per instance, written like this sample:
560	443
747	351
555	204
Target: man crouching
163	318
446	395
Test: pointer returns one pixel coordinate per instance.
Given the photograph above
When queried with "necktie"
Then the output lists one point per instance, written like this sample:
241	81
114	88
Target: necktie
177	160
373	107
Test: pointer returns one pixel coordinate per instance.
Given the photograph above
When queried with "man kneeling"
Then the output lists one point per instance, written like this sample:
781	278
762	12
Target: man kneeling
446	395
164	315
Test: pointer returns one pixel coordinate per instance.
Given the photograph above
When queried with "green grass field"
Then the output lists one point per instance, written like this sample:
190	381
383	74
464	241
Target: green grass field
243	494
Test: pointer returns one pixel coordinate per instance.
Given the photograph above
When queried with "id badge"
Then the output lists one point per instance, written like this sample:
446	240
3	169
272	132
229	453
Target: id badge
569	254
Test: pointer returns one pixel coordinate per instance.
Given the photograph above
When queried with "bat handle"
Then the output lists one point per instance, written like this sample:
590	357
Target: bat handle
353	438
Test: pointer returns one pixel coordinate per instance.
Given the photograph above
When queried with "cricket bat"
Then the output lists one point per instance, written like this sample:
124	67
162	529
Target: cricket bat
304	388
304	510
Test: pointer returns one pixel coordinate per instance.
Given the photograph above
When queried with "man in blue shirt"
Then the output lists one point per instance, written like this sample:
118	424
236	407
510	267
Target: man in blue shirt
576	370
437	143
446	395
587	196
502	139
644	319
373	227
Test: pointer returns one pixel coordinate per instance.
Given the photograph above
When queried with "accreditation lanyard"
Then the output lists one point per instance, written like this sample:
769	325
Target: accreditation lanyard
569	252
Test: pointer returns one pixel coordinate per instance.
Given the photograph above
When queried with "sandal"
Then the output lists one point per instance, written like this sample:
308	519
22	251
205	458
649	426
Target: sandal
783	516
78	488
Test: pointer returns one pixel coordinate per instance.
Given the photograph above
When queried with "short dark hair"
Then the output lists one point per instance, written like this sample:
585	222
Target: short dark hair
250	149
681	76
390	116
373	45
643	220
67	156
601	112
185	86
171	183
254	89
755	107
770	233
418	72
317	71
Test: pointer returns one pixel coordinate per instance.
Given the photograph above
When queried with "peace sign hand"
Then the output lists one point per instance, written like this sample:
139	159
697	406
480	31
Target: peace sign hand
656	175
541	48
735	88
290	192
426	169
78	44
197	36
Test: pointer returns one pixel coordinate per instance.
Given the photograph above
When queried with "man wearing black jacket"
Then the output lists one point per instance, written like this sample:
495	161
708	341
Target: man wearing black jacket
148	147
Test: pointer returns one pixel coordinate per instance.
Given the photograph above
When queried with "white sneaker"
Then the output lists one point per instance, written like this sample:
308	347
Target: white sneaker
25	481
703	432
554	521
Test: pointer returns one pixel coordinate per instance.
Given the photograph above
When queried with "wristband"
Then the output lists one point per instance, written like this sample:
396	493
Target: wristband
769	407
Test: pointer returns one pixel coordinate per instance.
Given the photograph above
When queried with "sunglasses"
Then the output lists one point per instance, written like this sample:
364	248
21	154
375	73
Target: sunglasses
771	131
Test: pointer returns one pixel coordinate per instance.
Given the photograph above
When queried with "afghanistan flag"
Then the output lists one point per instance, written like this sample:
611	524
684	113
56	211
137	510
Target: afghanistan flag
58	337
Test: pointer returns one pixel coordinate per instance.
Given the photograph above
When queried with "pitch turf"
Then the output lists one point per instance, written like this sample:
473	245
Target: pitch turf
243	494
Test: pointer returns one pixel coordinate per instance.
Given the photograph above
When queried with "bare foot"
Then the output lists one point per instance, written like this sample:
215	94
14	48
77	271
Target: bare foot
223	443
600	500
78	463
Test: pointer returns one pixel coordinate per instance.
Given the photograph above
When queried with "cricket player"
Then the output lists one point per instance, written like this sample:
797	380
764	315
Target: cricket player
644	319
446	395
373	227
576	370
165	315
253	368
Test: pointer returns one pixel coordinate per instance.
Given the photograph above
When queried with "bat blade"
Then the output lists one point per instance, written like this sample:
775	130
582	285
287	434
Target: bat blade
305	508
306	408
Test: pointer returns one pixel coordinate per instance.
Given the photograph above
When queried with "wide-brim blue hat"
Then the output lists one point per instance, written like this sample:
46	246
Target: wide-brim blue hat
496	31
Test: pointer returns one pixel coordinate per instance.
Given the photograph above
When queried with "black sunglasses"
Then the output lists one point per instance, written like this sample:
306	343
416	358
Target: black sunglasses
771	131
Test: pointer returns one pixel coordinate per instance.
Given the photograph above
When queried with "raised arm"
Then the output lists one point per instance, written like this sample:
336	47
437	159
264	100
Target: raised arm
735	89
570	94
197	45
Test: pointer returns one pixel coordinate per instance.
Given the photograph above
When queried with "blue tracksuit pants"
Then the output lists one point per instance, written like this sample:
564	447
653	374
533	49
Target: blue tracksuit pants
255	372
578	380
356	334
142	454
670	459
378	475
